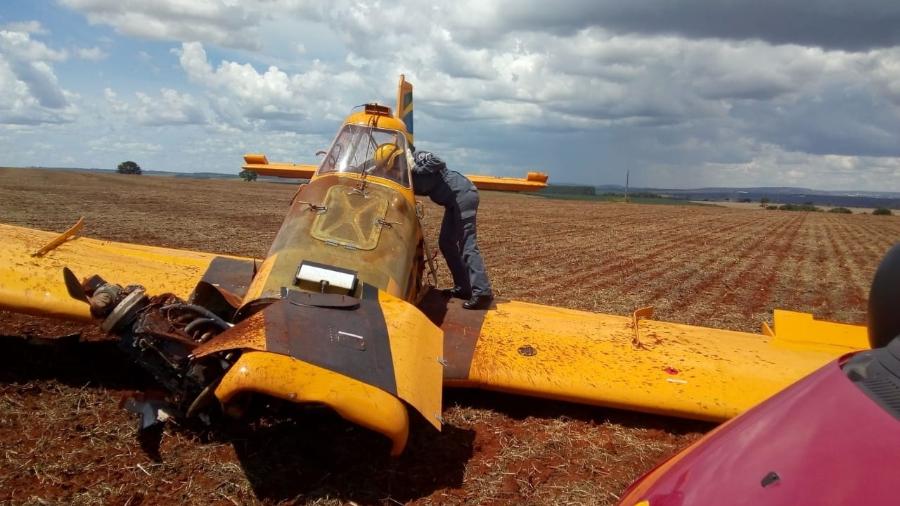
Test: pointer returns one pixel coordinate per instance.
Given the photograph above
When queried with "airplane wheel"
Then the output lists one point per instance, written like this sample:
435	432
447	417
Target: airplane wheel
884	300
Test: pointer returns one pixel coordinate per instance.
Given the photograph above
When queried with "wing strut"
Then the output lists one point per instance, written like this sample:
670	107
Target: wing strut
61	238
644	312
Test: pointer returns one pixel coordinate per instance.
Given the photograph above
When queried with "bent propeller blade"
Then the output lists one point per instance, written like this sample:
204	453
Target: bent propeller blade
73	285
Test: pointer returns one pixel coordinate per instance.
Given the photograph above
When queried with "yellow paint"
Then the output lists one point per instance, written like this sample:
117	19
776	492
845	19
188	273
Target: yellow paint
636	317
407	193
534	182
257	162
61	238
260	164
293	380
378	121
679	370
282	169
393	258
416	348
35	284
359	228
249	334
259	281
802	331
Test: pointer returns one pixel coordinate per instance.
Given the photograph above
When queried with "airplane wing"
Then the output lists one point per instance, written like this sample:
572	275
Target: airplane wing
324	366
529	349
34	284
258	163
631	363
534	181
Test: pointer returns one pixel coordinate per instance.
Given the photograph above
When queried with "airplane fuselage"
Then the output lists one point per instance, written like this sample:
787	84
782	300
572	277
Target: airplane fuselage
373	232
357	218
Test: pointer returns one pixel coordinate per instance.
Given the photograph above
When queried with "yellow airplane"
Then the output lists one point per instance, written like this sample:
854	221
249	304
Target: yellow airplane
342	312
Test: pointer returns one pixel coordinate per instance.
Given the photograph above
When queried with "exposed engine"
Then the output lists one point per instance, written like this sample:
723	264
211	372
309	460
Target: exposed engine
159	333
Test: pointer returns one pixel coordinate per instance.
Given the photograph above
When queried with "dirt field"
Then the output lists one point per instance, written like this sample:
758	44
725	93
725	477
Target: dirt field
64	440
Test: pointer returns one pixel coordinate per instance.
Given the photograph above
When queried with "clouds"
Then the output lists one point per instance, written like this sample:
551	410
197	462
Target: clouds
222	22
687	93
91	53
494	61
31	91
273	99
860	25
168	108
572	66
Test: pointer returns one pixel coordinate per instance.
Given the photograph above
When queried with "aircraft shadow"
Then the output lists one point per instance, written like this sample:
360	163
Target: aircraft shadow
308	454
518	408
296	454
73	363
318	455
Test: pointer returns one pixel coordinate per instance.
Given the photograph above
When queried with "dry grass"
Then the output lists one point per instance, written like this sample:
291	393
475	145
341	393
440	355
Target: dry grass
64	440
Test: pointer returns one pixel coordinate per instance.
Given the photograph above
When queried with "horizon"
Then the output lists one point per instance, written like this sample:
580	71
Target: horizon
550	182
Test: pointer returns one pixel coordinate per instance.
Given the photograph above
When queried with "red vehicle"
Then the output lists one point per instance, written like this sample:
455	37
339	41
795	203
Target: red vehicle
831	438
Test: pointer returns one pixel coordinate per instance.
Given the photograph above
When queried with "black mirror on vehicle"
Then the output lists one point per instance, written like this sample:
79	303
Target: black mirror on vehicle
320	153
884	300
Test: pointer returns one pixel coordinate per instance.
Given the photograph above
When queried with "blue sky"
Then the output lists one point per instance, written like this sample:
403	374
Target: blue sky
705	93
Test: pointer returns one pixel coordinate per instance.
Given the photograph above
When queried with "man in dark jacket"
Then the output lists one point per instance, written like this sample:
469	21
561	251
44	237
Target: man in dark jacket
458	195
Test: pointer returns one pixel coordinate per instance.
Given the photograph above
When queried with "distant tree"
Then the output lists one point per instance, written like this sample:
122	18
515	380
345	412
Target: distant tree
248	175
840	210
882	211
799	207
129	167
763	202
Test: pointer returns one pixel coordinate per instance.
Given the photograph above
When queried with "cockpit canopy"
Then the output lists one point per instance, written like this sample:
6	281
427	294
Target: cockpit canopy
366	149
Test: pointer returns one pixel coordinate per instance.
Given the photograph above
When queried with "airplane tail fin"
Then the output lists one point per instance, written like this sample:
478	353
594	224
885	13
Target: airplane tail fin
405	105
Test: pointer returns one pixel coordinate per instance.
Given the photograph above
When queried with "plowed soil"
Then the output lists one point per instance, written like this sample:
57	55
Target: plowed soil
63	438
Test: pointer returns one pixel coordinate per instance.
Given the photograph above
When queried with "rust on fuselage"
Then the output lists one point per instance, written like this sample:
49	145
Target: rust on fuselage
368	226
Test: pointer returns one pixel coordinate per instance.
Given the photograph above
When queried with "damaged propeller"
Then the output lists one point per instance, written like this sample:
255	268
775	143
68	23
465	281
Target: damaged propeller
158	333
73	286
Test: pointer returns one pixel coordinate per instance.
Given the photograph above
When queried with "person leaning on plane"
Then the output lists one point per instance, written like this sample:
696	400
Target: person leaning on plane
457	240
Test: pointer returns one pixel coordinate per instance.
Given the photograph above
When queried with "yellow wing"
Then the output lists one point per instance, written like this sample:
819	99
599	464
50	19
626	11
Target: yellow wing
534	181
629	363
34	284
260	164
298	365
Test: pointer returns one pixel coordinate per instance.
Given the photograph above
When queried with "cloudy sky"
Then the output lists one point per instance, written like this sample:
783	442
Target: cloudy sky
684	94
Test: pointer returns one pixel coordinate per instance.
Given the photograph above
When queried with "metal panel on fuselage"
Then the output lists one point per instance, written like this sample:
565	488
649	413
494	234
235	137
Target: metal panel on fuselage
389	266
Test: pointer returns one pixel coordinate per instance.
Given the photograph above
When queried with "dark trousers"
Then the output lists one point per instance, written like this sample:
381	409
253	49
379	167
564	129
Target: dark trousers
459	247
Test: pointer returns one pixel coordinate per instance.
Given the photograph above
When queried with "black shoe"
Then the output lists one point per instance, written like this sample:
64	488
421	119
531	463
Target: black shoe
458	293
479	302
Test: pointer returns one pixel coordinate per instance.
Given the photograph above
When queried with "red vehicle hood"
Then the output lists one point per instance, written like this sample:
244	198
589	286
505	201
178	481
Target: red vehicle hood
827	442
